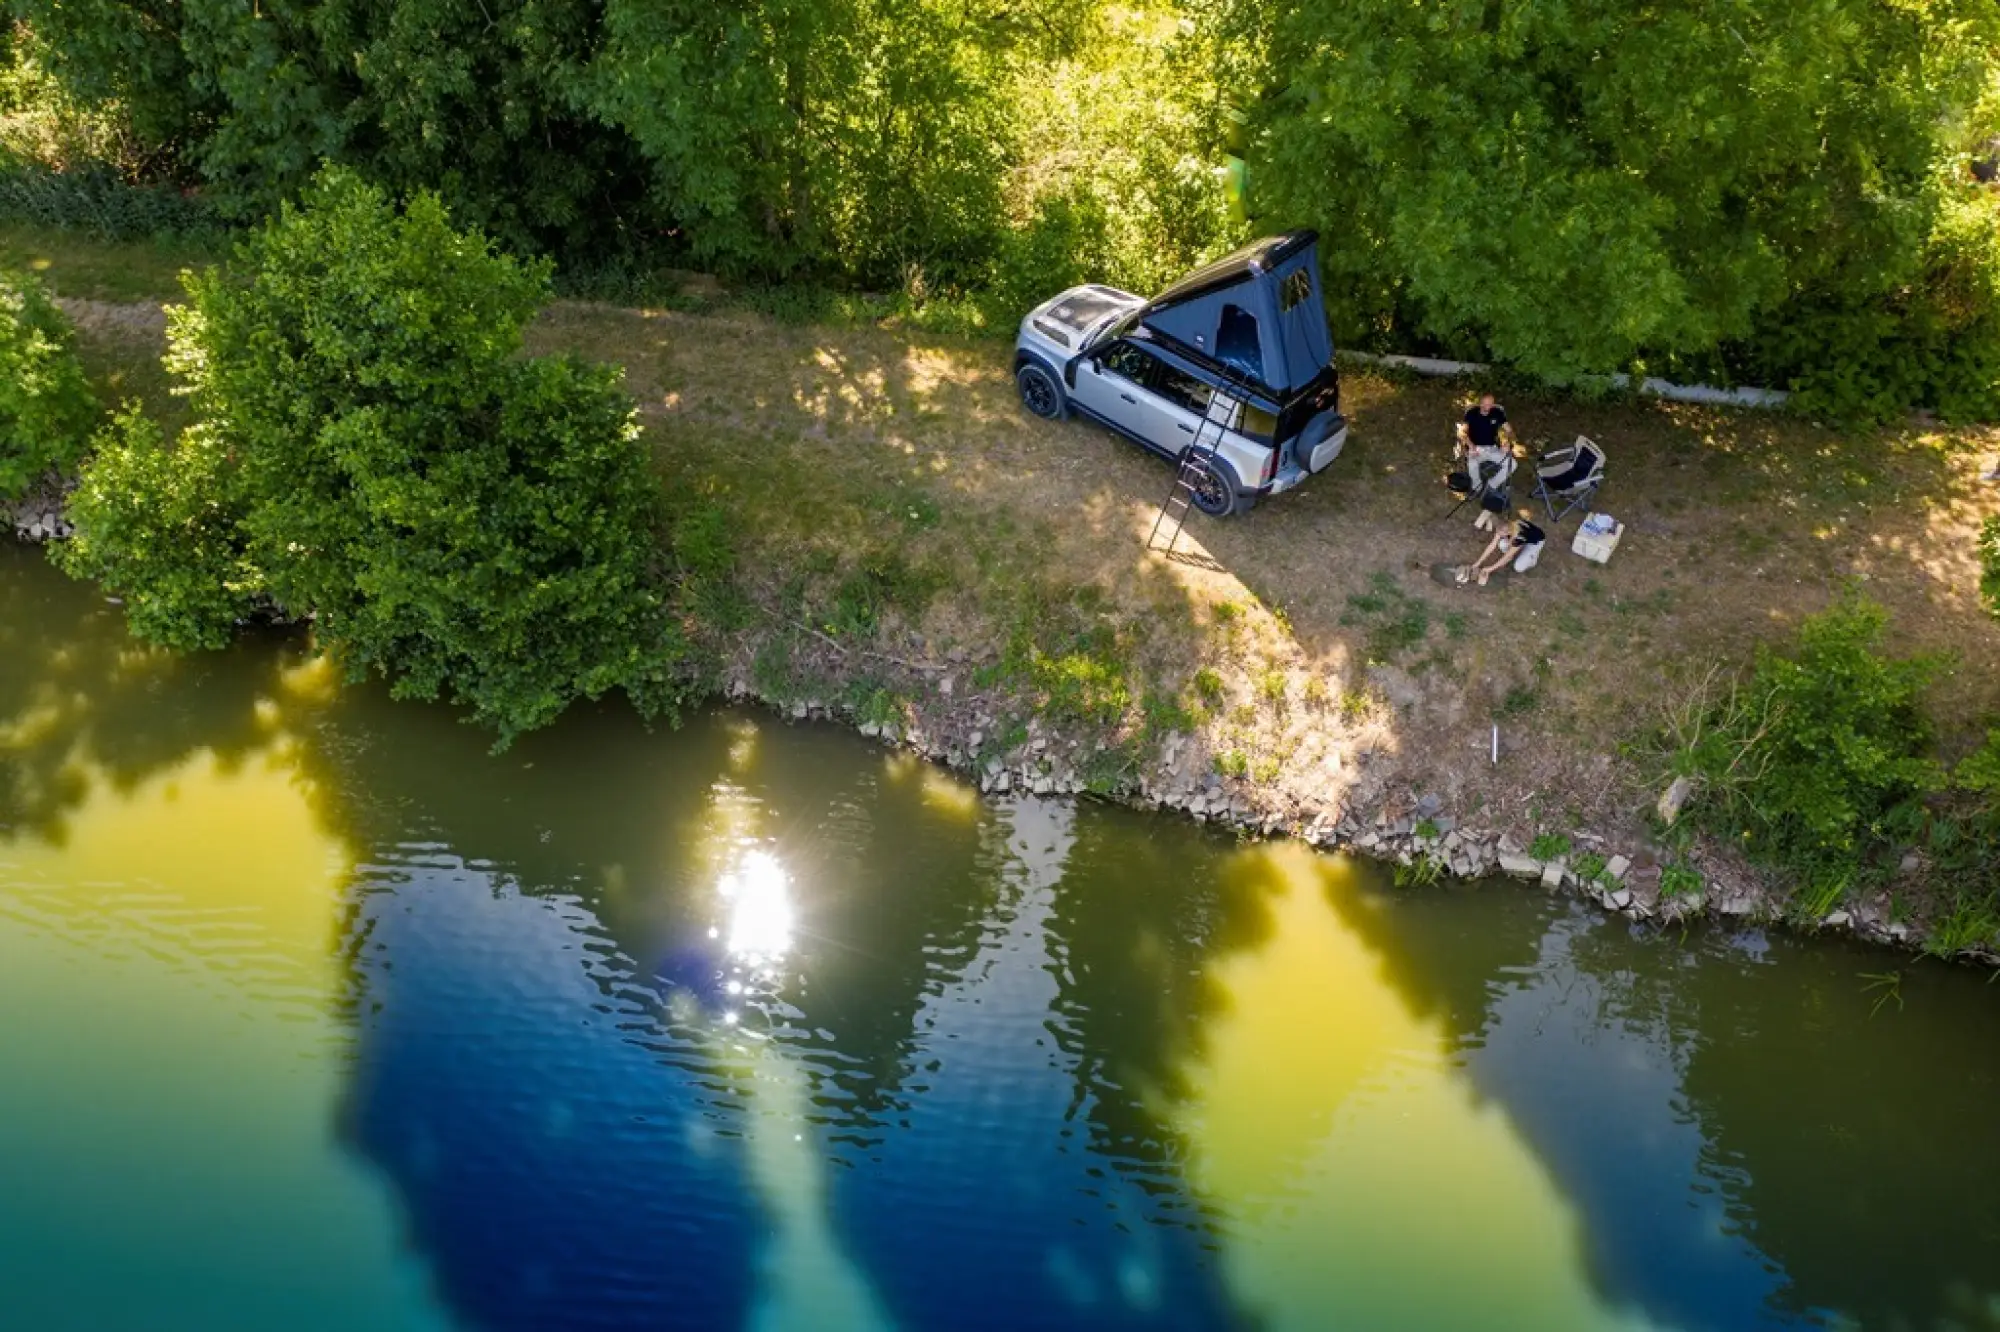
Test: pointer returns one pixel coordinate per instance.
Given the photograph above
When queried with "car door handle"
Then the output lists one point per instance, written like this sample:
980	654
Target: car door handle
1128	398
1188	428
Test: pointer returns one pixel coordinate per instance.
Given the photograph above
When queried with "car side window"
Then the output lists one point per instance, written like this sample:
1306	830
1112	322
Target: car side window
1183	390
1129	362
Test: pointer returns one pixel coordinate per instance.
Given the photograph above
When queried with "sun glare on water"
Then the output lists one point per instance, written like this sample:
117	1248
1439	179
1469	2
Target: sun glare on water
758	892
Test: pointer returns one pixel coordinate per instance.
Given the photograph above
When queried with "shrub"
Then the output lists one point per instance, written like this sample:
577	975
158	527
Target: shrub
1979	771
46	408
370	451
1806	763
158	522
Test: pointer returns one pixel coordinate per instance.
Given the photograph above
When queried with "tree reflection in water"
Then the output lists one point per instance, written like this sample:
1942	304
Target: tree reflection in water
1021	1065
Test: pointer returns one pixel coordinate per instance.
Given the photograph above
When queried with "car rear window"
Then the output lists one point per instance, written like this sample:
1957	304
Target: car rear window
1183	390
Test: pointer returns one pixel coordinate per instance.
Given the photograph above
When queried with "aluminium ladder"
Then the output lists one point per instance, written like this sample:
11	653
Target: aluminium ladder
1221	414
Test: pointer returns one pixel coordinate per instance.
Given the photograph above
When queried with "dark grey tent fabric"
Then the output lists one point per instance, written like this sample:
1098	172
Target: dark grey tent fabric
1303	340
1264	319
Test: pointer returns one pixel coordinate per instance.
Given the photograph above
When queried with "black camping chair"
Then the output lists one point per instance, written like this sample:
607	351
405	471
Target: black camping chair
1488	486
1570	477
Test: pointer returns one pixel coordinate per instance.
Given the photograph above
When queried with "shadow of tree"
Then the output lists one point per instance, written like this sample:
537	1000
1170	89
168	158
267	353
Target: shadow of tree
80	702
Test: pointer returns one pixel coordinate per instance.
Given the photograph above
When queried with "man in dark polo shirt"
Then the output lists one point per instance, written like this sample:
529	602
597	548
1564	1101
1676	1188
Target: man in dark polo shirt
1486	444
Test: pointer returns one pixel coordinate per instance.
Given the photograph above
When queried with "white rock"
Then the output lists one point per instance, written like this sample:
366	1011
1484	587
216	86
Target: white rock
1616	866
1674	799
1621	899
1553	874
1836	920
1521	867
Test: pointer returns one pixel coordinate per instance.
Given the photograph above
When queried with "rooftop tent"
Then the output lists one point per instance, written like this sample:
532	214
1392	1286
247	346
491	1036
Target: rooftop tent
1258	310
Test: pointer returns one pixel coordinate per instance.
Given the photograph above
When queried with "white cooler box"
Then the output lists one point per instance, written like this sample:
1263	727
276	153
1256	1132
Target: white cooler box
1597	545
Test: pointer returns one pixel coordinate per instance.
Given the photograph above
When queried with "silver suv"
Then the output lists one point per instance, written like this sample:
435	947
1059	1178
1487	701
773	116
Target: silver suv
1235	355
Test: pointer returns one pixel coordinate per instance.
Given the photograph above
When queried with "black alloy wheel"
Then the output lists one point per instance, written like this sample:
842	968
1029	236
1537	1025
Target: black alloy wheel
1213	493
1040	393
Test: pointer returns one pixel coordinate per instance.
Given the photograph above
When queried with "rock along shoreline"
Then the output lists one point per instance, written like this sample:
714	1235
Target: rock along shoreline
1406	829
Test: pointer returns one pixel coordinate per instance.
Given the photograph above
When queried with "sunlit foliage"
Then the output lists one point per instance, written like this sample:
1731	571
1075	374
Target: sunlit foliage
46	408
370	451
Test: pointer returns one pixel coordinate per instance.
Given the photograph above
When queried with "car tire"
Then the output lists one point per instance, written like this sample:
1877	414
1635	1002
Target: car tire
1216	492
1041	391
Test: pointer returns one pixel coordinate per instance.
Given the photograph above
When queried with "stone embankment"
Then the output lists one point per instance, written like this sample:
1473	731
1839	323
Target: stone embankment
38	515
1406	829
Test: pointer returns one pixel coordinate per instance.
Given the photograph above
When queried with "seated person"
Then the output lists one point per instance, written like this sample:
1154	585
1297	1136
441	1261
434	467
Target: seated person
1486	443
1484	429
1520	541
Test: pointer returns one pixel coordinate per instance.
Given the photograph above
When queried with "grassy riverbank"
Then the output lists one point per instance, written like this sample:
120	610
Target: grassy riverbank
877	527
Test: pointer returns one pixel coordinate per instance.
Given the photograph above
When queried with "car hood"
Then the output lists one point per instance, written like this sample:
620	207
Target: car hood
1081	309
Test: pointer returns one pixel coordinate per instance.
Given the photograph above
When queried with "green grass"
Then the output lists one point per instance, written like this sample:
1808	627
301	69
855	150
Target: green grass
1590	868
1394	620
1679	881
102	270
1549	846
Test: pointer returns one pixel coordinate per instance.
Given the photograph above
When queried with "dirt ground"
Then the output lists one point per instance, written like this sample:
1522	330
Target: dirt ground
1348	676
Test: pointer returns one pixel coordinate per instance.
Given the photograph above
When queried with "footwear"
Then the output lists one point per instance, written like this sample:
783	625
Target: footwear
1992	473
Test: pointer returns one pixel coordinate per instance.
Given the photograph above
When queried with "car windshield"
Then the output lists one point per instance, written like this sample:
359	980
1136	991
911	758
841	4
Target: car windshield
1116	329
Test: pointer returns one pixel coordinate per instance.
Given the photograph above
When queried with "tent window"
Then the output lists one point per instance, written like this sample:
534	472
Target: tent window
1297	286
1236	343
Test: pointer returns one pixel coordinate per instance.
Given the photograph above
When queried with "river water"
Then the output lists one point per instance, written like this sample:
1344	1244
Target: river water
315	1015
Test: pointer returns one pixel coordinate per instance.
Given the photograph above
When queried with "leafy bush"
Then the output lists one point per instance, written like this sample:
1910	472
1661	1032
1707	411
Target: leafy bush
371	452
1979	771
158	522
46	408
1806	763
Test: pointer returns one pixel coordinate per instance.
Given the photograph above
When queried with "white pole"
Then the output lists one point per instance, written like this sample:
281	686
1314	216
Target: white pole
1496	744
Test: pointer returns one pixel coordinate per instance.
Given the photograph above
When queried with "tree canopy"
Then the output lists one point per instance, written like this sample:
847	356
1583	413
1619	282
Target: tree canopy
1780	192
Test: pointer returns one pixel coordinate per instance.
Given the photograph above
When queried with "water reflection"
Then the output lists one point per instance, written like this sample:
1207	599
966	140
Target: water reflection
752	1026
760	909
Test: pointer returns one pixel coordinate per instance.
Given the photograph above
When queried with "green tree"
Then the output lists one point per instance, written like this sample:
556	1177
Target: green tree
855	136
127	55
372	452
46	408
1569	187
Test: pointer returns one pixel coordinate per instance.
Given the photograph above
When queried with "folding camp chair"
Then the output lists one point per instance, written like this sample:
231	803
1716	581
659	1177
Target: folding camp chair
1485	482
1569	476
